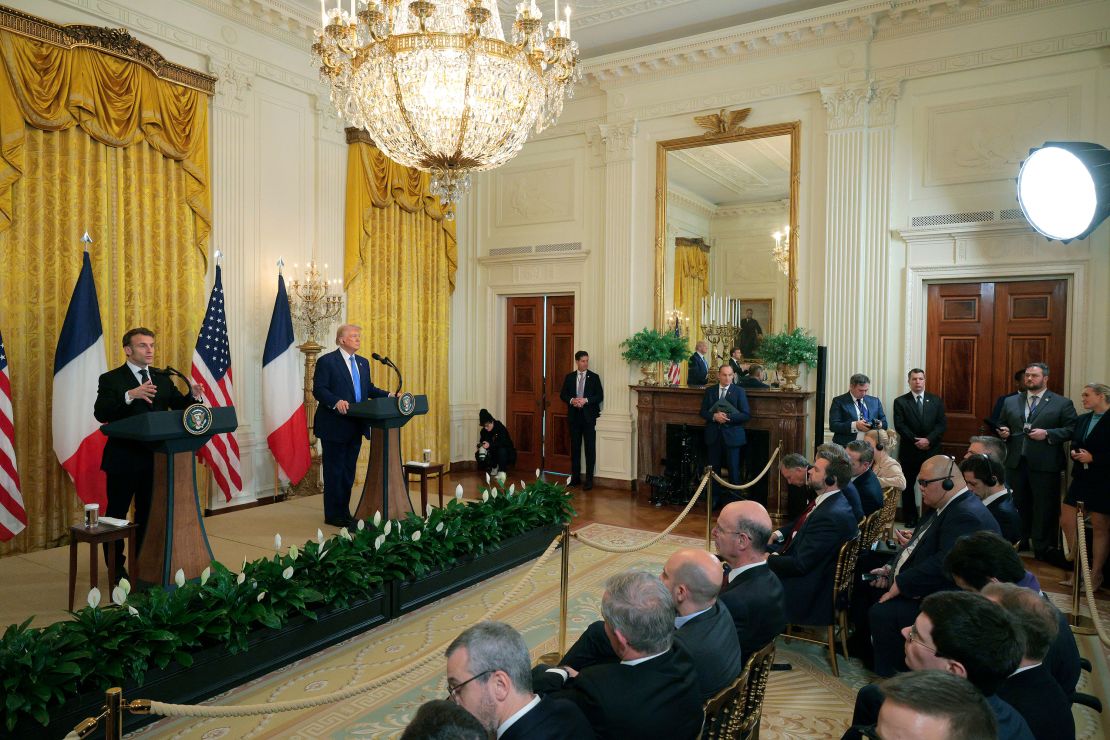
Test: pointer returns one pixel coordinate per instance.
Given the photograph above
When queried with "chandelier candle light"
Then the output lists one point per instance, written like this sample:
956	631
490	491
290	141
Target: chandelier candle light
439	88
781	251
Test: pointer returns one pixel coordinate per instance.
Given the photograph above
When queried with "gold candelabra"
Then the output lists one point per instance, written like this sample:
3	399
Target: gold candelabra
314	308
719	335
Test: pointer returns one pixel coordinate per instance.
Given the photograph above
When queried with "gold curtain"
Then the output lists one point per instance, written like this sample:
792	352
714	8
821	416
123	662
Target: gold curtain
691	284
399	271
91	142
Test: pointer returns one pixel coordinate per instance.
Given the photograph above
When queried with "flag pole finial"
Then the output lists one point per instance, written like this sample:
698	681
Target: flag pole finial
280	264
86	240
219	257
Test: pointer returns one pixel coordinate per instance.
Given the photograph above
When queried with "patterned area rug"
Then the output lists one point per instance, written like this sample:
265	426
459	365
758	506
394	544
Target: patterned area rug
805	702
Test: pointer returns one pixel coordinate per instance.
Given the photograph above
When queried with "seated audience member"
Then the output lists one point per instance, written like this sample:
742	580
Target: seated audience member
1031	689
861	455
984	557
832	451
753	594
444	720
886	467
794	469
985	477
806	564
918	568
934	705
495	447
986	445
653	691
697	367
968	636
1090	471
703	627
489	675
756	377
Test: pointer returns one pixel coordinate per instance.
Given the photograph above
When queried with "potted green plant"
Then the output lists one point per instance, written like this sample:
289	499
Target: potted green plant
650	346
789	350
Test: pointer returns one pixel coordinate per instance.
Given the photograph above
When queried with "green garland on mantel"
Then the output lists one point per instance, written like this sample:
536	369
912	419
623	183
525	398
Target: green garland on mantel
797	347
110	644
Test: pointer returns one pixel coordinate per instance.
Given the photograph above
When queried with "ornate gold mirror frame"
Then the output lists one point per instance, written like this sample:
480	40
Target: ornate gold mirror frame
724	128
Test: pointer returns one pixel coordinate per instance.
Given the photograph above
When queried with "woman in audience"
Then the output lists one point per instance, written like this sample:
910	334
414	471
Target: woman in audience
1090	471
886	468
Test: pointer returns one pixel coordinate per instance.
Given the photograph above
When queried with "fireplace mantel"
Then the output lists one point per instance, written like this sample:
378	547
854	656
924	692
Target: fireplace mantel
782	414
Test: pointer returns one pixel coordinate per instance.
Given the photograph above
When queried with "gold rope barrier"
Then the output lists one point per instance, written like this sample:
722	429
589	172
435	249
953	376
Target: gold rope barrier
1083	566
753	481
113	717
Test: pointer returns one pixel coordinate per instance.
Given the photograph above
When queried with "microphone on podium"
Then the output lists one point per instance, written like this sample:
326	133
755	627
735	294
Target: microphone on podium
389	363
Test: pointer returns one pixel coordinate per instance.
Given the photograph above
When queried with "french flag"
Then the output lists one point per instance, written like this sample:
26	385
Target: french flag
78	364
283	414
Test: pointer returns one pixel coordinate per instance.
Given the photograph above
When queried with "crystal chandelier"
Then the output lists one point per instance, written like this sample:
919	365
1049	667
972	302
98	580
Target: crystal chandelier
781	251
439	88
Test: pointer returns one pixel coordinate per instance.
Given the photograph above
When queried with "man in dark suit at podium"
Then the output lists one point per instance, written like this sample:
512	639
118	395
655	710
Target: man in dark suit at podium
583	395
724	429
133	388
342	378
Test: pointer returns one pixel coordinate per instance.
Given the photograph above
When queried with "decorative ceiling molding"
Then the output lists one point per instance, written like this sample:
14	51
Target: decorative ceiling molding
740	210
847	22
115	41
692	202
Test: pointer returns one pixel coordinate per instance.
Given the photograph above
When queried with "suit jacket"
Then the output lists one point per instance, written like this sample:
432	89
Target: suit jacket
1037	697
842	412
870	492
1062	660
930	423
739	371
121	455
592	392
1007	516
331	384
851	493
1089	481
658	698
551	719
748	381
731	433
697	372
1055	414
756	600
923	573
710	641
808	564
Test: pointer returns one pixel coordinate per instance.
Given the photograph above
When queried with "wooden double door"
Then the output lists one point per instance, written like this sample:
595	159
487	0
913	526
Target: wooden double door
979	334
540	353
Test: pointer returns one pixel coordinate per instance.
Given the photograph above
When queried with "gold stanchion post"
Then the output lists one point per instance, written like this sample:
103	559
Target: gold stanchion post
113	723
1080	623
708	493
564	590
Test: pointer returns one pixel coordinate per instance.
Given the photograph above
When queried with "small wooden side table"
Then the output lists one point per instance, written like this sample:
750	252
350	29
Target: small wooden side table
426	471
98	535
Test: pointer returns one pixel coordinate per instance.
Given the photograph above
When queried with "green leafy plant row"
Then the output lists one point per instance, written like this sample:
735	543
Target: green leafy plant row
652	345
116	642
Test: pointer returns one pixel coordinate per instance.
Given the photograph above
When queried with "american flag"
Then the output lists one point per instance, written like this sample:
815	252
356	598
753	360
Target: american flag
212	371
674	373
13	516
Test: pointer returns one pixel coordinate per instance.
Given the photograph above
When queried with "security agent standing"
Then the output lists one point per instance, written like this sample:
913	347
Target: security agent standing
583	395
724	430
134	388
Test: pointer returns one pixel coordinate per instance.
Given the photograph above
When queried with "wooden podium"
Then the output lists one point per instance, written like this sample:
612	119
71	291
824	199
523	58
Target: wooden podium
386	488
175	536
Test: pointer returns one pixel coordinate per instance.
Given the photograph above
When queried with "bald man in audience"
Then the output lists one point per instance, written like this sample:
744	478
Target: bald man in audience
703	627
752	593
918	568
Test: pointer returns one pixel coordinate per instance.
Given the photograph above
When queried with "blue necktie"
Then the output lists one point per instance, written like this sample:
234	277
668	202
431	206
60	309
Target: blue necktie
356	379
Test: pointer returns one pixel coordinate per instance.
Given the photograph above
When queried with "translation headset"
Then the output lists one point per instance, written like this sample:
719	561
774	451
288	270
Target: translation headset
990	480
948	485
880	440
830	481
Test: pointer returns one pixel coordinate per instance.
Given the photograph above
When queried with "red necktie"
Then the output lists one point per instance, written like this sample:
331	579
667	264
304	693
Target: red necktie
798	524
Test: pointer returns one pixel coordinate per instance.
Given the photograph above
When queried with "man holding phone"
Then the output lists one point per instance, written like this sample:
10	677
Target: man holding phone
1035	424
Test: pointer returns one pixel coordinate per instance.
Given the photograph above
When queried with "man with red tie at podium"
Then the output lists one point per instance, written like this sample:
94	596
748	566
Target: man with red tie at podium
134	388
342	378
